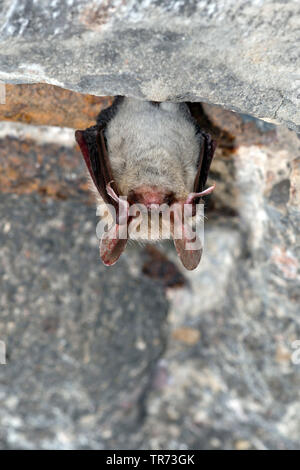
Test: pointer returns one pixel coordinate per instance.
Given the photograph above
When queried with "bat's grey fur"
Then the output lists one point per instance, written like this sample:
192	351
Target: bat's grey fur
154	145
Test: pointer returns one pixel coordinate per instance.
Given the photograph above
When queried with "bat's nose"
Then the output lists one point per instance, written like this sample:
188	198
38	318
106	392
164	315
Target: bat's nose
148	195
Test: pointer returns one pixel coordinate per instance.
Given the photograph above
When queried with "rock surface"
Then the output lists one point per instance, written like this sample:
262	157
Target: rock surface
145	354
50	105
237	386
82	343
243	55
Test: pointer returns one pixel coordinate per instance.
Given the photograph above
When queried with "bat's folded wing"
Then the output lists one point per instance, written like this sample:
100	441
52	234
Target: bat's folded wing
93	148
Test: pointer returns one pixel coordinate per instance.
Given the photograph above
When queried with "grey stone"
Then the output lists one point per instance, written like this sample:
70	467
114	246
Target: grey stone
81	347
243	55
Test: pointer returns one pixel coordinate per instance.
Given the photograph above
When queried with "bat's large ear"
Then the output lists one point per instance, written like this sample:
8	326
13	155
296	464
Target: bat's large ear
187	243
208	147
112	246
189	258
93	148
190	253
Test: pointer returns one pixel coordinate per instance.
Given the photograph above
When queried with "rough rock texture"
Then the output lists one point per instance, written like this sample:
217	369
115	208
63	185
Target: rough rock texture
29	168
237	386
50	105
240	54
145	354
82	343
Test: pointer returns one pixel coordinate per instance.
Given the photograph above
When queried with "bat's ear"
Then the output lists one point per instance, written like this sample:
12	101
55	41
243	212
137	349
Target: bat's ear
186	241
111	245
189	258
190	253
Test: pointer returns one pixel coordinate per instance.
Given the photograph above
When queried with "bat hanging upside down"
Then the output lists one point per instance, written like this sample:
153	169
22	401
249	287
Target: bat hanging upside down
151	155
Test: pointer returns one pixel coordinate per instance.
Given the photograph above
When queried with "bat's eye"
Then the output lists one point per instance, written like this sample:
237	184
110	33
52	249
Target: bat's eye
169	198
131	198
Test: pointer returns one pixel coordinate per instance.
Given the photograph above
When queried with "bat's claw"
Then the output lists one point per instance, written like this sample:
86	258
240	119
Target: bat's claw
111	192
123	204
192	196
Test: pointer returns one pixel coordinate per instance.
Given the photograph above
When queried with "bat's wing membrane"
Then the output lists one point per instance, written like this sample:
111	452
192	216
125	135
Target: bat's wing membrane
92	145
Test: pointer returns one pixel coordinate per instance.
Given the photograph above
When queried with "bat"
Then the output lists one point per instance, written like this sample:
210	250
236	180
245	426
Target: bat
147	155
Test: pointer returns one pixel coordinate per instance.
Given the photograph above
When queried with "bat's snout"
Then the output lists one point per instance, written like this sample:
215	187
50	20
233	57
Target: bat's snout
150	195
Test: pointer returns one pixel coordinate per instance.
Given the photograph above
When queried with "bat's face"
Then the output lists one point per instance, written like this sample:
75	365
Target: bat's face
148	183
145	210
149	214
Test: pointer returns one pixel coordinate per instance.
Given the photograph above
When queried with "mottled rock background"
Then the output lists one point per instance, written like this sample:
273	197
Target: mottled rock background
145	354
